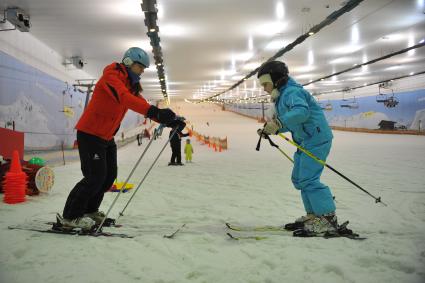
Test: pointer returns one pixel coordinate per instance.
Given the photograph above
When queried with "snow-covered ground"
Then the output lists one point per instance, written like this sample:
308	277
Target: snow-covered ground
240	186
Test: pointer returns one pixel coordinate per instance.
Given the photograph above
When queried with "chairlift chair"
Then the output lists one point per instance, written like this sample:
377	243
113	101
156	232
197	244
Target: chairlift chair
389	101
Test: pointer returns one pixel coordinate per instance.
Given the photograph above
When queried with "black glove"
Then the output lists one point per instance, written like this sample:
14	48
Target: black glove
163	116
178	124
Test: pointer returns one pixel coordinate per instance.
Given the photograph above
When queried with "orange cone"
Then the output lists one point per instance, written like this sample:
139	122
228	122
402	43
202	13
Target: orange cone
15	166
15	184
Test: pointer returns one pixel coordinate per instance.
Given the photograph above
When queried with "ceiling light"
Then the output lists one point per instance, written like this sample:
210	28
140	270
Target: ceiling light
250	43
152	30
233	62
410	43
280	10
310	33
144	44
305	76
412	73
243	56
160	12
173	30
267	29
310	57
230	72
355	34
422	41
127	8
346	49
275	45
237	77
303	69
340	60
392	68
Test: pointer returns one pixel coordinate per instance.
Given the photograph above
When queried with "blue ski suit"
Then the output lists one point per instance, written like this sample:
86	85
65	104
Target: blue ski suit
301	115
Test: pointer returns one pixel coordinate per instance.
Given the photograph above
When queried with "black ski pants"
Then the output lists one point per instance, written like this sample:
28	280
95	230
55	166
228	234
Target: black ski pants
99	166
176	153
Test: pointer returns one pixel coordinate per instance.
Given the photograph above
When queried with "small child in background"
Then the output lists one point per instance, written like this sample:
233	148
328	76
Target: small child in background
188	150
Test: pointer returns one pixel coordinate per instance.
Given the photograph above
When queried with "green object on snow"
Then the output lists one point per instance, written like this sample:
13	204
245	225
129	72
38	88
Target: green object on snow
37	161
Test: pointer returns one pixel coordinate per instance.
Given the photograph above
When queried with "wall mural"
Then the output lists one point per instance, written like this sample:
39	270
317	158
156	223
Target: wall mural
43	107
403	110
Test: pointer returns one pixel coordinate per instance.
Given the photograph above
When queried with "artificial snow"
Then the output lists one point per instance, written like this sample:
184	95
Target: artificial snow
241	186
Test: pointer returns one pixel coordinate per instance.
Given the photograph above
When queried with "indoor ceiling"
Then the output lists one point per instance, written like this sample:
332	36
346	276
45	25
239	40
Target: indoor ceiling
210	45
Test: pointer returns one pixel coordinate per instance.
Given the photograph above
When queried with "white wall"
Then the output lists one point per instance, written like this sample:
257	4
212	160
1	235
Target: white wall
28	49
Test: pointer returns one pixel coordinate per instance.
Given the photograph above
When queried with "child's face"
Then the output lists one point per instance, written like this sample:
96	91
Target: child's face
187	141
268	87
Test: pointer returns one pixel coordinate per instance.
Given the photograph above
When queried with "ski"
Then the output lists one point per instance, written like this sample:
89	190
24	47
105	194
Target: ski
343	232
238	238
171	236
325	236
74	232
109	222
266	228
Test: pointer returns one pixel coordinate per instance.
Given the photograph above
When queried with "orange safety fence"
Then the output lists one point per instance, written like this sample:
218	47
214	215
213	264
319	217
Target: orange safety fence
216	143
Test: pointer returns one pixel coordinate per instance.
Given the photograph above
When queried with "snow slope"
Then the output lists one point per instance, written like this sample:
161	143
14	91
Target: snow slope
240	186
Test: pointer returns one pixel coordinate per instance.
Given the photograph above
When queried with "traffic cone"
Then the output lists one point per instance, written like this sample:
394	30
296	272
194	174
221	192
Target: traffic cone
15	184
15	166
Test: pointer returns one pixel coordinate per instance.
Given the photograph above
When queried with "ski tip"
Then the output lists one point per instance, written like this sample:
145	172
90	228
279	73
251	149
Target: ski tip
231	236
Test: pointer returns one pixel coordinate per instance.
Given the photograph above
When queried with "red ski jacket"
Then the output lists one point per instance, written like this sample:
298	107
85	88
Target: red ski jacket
111	99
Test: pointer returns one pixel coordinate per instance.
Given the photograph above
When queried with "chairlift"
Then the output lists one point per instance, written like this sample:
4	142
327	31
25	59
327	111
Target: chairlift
67	109
345	90
351	105
328	106
389	101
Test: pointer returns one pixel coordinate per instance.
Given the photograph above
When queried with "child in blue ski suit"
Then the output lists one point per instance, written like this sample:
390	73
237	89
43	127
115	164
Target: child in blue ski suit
297	112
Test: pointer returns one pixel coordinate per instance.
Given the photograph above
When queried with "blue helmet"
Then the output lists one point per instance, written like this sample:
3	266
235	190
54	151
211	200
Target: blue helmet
136	55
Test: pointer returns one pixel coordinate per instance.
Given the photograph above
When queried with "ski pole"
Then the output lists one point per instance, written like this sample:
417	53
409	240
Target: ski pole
259	140
276	146
147	173
377	199
125	183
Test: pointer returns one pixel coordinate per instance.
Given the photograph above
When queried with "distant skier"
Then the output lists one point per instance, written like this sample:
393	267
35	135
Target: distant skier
298	113
188	151
139	138
176	148
116	91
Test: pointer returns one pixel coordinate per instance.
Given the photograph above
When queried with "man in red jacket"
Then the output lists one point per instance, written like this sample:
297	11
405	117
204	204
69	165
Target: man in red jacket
116	91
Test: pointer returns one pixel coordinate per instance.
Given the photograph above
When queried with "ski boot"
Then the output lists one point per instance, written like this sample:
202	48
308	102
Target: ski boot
85	224
319	226
98	216
299	222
